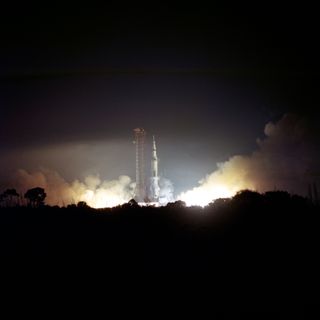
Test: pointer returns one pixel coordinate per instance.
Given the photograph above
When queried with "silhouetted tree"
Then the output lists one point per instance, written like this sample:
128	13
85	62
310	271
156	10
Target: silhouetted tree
2	198
177	204
9	197
35	196
130	204
133	203
219	203
247	197
82	204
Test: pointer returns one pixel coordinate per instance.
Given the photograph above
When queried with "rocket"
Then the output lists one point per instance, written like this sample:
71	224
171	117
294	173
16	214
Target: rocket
154	160
154	183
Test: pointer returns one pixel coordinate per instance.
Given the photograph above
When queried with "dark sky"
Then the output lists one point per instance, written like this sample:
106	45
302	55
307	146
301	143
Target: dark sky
205	79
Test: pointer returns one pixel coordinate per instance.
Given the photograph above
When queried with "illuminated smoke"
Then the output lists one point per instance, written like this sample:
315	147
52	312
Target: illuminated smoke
230	177
95	192
282	161
100	194
166	191
285	159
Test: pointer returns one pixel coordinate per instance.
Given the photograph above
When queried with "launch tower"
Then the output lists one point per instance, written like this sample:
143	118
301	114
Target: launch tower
139	140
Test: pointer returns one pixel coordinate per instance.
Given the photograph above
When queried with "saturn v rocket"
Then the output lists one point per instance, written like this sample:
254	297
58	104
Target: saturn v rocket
154	179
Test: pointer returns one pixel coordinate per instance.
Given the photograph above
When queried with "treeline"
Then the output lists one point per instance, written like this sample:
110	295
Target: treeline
34	197
256	247
268	220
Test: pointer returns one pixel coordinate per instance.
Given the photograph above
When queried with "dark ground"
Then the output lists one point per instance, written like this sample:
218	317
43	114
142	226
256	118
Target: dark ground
254	253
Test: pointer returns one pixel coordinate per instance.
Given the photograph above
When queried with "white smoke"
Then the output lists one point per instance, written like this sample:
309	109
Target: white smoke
95	192
166	191
282	161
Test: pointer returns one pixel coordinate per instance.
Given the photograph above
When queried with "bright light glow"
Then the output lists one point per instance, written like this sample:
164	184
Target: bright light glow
103	194
225	182
102	199
203	196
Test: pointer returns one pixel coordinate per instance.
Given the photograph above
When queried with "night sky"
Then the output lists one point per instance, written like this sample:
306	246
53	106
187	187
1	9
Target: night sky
205	79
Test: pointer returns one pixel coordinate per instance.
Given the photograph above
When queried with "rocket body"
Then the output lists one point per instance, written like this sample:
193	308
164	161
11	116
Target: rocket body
154	160
154	183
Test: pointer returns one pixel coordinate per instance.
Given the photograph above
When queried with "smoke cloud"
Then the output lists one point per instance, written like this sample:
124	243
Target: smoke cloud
166	191
284	160
95	192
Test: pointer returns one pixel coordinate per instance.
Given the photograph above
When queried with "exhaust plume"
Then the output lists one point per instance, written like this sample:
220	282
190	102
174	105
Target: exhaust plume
282	161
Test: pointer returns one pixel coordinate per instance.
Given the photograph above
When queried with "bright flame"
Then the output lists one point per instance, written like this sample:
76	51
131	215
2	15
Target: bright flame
202	197
229	178
101	198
